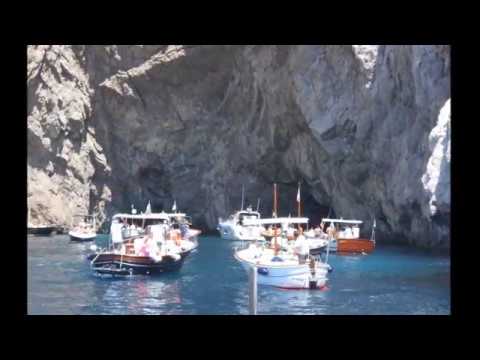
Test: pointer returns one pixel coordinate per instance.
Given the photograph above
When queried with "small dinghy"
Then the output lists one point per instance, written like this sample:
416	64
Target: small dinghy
83	230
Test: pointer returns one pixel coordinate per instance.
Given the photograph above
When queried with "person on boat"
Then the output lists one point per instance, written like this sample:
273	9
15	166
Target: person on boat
331	230
348	232
116	233
301	247
183	230
291	233
175	234
356	232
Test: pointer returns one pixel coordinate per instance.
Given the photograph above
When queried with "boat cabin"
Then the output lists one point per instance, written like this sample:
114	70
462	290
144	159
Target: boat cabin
247	215
283	222
346	229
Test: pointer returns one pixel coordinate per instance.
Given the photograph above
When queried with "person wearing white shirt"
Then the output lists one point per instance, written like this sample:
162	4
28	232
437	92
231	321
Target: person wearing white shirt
116	233
348	232
302	248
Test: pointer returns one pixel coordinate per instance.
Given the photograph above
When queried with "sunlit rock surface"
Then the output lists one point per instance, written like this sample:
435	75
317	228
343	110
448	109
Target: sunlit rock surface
364	127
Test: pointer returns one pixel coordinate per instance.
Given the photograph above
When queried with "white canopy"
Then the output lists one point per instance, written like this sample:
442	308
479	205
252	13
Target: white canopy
341	221
247	212
175	214
152	216
280	220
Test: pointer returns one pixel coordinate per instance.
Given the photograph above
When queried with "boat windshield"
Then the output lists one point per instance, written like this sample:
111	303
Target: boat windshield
248	216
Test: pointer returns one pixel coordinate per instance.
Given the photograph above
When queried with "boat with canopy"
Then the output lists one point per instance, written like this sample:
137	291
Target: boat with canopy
147	243
281	262
345	237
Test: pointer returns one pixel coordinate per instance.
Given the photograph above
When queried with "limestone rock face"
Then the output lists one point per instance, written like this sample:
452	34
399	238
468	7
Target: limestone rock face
364	127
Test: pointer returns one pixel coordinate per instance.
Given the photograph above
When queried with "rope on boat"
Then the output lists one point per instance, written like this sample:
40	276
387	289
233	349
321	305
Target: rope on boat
95	258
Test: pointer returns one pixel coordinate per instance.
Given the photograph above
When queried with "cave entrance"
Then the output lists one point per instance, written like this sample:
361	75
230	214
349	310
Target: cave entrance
314	210
287	196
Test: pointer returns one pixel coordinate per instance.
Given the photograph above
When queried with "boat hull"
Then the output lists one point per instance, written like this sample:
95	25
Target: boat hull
138	264
291	277
81	237
228	232
317	250
355	245
41	231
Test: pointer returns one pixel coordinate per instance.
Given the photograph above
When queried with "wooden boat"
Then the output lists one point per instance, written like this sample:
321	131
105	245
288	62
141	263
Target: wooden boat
136	264
348	240
162	244
40	230
355	245
283	269
280	264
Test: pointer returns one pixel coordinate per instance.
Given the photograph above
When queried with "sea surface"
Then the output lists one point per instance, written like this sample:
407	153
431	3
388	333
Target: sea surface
390	281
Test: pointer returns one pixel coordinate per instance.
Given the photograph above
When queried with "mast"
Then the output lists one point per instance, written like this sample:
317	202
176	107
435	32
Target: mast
298	199
275	215
243	191
372	237
274	200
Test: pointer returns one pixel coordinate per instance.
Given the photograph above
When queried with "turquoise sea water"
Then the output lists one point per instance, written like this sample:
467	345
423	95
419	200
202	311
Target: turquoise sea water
391	280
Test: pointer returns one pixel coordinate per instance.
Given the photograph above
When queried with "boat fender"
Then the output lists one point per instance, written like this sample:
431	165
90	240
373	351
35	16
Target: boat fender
176	257
262	271
330	268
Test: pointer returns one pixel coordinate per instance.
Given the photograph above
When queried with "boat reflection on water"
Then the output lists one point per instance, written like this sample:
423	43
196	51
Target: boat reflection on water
140	295
300	302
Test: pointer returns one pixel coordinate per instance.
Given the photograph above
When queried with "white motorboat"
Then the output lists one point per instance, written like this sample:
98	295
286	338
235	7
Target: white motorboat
84	229
236	227
284	269
284	263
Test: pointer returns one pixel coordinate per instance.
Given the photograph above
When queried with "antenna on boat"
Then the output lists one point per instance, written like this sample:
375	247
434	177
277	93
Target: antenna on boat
274	200
258	204
372	237
243	191
275	215
298	199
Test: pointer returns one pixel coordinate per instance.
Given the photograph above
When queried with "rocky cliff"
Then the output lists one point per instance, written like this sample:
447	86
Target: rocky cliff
365	128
